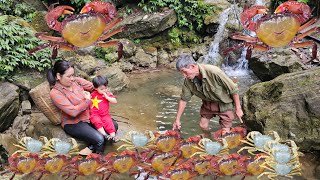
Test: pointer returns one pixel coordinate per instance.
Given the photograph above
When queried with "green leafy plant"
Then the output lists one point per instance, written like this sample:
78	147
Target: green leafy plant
137	41
9	7
15	41
79	3
174	35
178	36
190	13
108	54
304	1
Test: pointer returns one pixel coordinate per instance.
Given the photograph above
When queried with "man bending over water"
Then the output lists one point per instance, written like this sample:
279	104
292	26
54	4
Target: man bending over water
218	92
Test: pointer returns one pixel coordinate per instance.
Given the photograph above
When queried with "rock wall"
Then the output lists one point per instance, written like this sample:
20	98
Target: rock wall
290	105
9	104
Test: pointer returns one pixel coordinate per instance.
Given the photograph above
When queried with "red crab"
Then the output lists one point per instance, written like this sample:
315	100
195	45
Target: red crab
79	166
22	165
158	164
184	170
124	162
251	166
53	165
169	141
233	137
282	28
91	27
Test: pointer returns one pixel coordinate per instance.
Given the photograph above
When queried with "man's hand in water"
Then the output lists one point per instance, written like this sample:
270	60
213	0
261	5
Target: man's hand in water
176	125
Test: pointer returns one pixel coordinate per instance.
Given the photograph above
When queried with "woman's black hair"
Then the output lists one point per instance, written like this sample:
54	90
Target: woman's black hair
59	67
99	80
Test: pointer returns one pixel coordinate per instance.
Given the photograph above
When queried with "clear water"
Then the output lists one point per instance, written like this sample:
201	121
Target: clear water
152	100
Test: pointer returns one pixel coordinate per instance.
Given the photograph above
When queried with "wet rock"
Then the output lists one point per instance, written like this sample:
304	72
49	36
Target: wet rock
163	58
26	107
317	171
147	24
117	79
86	51
3	157
274	63
9	104
290	105
214	17
39	23
129	48
40	125
86	63
27	78
15	133
7	141
124	65
144	59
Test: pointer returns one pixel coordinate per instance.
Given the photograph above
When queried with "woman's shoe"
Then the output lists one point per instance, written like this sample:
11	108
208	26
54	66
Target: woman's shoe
85	152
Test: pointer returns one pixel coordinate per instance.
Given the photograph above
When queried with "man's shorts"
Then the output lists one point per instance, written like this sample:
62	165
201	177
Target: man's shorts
210	109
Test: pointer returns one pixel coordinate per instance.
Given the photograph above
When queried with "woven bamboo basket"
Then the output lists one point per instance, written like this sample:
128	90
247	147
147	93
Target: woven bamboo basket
41	97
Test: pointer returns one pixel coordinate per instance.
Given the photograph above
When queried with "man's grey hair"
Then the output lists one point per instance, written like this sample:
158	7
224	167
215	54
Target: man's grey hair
184	60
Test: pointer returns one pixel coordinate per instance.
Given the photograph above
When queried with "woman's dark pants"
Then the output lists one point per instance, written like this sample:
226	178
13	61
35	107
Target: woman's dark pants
86	132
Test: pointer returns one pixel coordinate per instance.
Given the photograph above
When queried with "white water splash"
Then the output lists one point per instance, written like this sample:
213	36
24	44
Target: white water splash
260	2
213	53
241	68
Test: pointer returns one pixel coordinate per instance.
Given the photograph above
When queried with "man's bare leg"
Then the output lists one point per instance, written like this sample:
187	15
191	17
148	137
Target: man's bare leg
204	125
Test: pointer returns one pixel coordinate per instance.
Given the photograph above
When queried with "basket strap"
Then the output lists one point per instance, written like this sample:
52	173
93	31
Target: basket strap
49	108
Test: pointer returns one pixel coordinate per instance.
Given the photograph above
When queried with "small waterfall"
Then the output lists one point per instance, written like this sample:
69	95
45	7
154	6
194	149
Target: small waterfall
241	67
213	53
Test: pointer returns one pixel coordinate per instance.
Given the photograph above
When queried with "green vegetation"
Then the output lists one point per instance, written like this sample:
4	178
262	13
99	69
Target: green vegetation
108	54
178	36
9	7
190	13
15	41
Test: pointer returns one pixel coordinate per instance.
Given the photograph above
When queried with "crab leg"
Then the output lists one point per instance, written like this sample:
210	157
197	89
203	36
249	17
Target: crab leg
305	44
244	38
313	20
112	24
42	36
113	32
310	31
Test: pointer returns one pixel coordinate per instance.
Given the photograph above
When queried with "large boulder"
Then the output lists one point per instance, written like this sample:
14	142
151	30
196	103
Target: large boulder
146	57
290	105
9	104
117	79
86	63
147	25
267	66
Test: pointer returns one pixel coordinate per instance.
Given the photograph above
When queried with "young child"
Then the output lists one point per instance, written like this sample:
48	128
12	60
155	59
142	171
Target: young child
99	108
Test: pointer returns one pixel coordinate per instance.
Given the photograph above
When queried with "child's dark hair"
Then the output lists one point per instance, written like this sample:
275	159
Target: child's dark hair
99	80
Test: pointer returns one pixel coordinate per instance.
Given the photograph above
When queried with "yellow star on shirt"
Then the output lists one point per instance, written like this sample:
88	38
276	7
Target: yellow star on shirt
95	102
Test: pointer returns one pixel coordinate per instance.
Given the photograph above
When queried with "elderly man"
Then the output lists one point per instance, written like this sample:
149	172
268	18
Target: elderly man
218	92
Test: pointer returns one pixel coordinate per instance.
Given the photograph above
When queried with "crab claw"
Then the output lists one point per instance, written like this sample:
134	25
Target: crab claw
301	10
52	16
247	15
107	9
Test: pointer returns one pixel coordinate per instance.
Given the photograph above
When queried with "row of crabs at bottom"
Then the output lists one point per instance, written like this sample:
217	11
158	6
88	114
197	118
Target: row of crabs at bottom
164	156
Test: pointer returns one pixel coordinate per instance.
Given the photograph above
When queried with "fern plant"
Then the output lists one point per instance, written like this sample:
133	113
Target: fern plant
15	41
